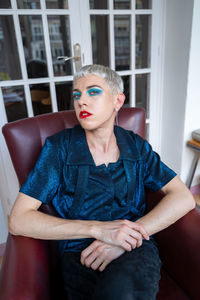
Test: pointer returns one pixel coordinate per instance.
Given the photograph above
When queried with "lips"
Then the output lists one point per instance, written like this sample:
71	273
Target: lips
84	114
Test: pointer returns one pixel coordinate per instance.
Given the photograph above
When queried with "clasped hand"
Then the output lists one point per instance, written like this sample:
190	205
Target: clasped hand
113	238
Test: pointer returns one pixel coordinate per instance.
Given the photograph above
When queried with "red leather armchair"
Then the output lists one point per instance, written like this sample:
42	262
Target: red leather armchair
30	269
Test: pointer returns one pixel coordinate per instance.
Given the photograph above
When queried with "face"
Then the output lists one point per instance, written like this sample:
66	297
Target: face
94	102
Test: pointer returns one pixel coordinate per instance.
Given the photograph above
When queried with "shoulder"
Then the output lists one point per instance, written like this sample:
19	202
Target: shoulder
131	145
130	136
60	137
134	141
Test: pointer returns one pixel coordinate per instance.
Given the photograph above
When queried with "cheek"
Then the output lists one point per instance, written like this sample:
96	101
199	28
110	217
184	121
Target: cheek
76	108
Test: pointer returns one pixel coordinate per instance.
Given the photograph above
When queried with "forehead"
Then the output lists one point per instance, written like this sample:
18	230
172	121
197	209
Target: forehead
90	80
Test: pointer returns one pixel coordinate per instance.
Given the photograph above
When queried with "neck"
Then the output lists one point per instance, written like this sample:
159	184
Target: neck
102	139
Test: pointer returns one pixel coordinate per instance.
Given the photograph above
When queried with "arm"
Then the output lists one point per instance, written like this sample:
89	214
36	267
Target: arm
177	202
26	220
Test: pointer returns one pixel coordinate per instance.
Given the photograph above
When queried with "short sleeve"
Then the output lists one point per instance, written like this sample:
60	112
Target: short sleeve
156	173
43	181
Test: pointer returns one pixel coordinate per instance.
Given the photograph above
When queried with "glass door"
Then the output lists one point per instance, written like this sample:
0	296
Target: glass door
34	33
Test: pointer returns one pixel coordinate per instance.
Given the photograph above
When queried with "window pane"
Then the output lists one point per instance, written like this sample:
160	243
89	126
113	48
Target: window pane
34	48
28	4
41	98
126	80
122	42
9	57
15	104
64	95
96	4
100	41
142	91
57	4
59	32
143	4
5	4
143	41
122	4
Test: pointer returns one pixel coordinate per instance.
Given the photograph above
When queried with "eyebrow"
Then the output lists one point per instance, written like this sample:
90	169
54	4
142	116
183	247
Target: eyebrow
88	87
92	86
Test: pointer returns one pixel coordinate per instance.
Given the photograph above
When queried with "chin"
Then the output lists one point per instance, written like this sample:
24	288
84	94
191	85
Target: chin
88	126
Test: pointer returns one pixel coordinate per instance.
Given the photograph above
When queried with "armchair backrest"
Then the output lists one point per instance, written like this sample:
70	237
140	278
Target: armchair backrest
26	137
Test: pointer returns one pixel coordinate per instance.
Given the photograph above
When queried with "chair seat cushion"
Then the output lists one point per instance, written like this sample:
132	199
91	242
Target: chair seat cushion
169	289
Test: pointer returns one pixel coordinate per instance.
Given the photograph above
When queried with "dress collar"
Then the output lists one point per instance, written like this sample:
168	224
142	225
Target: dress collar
79	153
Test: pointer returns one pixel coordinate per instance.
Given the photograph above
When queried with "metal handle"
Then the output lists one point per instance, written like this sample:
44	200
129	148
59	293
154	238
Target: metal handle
65	58
76	58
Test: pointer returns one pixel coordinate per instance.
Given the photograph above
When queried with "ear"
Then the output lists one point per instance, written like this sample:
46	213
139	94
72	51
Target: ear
120	98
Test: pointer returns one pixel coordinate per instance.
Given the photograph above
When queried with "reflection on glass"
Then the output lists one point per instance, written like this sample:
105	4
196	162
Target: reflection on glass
126	80
9	57
5	4
41	98
96	4
142	91
15	104
28	4
64	95
52	4
59	32
143	41
100	40
122	42
34	48
122	4
143	4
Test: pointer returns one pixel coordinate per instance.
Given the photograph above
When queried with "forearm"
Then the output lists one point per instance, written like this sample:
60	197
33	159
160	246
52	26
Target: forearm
171	208
39	225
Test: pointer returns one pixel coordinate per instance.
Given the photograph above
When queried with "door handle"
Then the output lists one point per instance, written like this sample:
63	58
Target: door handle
65	58
76	57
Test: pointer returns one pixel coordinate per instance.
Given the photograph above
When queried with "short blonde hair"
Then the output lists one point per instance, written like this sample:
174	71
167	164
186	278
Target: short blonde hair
113	80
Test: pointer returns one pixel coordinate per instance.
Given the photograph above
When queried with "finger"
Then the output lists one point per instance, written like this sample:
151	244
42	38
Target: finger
87	251
132	242
97	263
131	235
138	237
136	226
91	259
140	229
103	265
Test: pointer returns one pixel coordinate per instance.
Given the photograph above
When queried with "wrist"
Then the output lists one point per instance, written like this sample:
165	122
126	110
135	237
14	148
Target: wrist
94	229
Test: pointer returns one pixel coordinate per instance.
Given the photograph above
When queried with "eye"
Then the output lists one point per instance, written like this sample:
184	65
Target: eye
76	96
94	92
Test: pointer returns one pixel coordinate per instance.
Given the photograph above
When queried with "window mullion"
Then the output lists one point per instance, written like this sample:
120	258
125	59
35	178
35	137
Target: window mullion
111	35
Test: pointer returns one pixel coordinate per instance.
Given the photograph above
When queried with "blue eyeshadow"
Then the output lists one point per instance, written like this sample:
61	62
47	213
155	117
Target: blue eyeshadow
94	92
76	95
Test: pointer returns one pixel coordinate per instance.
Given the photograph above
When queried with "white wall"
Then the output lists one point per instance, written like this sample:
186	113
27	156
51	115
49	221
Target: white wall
177	36
192	113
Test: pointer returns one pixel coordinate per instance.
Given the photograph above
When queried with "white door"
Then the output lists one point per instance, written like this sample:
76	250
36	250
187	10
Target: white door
122	34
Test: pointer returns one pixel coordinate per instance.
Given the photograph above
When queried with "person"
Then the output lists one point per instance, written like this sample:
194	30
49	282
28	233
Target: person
95	175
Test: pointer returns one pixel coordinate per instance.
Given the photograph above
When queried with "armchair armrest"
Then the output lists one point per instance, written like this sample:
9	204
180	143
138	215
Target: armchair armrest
179	248
25	270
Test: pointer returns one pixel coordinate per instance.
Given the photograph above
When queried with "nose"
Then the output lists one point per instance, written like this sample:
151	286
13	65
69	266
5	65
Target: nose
83	100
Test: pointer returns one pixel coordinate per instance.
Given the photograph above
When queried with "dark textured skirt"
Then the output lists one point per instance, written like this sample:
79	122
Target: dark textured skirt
133	276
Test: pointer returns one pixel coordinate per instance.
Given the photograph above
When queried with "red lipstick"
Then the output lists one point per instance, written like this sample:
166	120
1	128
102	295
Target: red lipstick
84	114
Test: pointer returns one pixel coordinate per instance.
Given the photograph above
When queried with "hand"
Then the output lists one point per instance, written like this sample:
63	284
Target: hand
99	254
122	233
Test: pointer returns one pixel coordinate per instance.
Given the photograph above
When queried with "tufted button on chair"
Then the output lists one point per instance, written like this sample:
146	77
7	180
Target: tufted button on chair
30	269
